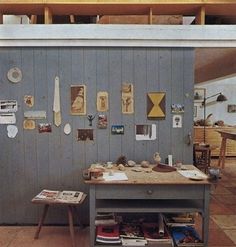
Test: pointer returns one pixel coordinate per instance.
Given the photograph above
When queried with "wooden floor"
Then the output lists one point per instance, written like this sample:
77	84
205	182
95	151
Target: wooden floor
222	224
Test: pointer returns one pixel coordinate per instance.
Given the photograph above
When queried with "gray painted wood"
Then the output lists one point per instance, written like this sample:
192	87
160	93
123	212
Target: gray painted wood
55	160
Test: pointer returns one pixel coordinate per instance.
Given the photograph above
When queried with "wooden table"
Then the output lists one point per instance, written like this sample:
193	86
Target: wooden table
150	192
225	135
70	208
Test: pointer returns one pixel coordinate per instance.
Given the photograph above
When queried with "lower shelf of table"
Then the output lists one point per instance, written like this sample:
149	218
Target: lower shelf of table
152	206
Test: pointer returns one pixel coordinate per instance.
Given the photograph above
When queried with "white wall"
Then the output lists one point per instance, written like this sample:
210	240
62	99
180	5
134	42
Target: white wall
219	110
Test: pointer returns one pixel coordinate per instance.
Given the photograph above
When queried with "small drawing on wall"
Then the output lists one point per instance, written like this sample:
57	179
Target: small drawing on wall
85	134
145	132
78	100
177	121
29	100
195	111
8	106
127	98
199	94
232	108
117	129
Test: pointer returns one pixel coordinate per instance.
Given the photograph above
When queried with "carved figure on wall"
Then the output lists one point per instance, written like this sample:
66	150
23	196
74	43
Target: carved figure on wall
78	100
127	98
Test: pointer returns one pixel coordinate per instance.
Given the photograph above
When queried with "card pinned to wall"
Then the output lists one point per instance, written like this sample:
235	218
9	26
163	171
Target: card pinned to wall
177	121
117	129
8	106
29	124
44	127
7	118
29	100
35	114
102	121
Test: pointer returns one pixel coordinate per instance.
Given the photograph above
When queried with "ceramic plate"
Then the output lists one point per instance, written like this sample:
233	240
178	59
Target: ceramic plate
14	75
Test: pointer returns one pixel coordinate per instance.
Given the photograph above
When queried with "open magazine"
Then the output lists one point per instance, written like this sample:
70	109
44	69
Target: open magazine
64	196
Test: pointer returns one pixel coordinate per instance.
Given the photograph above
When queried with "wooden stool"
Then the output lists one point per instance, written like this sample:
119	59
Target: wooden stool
70	208
202	157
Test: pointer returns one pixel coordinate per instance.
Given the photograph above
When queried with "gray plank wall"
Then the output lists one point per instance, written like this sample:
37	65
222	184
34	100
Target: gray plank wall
33	161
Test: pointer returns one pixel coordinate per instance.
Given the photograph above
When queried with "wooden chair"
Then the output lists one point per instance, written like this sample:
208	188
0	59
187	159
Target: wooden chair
202	157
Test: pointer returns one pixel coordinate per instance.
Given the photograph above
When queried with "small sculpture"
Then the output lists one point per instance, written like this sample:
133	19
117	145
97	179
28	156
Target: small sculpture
90	118
121	160
157	157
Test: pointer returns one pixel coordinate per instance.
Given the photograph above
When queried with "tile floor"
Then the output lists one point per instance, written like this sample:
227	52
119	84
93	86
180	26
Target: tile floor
222	223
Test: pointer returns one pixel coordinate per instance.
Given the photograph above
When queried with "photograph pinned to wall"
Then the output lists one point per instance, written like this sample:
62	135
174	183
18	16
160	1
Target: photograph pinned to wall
177	108
85	134
102	101
78	99
102	121
117	129
232	108
195	111
35	114
199	94
44	127
145	132
8	106
29	124
127	98
29	100
177	121
156	105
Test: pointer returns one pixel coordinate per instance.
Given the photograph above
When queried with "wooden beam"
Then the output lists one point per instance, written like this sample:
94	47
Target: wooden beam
150	16
72	19
33	19
47	15
200	16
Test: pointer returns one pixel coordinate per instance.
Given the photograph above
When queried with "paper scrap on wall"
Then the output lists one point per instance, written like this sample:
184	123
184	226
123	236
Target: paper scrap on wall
127	101
102	101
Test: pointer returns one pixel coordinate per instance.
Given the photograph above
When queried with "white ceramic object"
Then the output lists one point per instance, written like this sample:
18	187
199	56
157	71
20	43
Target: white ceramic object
12	131
67	129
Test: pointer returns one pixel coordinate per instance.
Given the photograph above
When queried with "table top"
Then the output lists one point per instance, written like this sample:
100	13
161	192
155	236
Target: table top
230	134
147	176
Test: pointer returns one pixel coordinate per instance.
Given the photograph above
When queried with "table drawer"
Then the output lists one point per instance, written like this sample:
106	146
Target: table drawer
149	192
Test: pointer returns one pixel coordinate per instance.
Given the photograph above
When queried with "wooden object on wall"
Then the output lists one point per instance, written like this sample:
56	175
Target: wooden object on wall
214	139
102	101
78	99
47	15
127	100
156	105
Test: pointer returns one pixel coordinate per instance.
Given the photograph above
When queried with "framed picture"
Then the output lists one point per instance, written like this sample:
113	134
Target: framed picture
231	108
199	94
78	100
117	129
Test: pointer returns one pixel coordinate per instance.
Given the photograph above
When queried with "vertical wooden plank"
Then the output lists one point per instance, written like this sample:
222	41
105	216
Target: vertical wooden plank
102	84
177	98
47	15
29	213
33	19
150	16
115	97
152	86
165	125
127	69
188	80
6	191
140	78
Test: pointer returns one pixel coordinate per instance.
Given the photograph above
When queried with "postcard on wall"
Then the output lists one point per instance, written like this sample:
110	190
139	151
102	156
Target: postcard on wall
44	127
102	101
102	121
7	118
177	121
127	95
8	105
117	129
78	99
145	132
177	108
35	114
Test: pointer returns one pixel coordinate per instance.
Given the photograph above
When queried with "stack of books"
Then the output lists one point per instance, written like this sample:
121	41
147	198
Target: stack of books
108	234
186	219
64	196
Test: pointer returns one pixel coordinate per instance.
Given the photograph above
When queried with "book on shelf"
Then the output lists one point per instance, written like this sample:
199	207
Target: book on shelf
131	230
179	219
185	236
64	196
105	219
133	242
108	234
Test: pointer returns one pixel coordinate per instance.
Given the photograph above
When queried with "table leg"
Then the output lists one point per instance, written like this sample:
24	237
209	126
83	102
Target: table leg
71	225
41	220
221	161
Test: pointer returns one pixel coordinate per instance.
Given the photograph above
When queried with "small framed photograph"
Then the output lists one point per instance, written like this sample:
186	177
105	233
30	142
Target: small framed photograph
177	108
232	108
117	129
85	134
199	94
78	99
44	127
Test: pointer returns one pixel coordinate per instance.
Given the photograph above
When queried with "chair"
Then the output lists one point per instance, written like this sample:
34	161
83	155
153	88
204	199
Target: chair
202	157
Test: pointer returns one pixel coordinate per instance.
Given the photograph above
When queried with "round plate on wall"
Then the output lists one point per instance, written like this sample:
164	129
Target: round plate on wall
14	75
